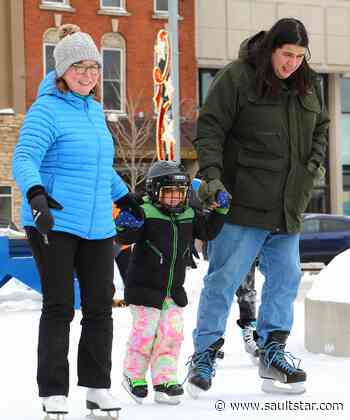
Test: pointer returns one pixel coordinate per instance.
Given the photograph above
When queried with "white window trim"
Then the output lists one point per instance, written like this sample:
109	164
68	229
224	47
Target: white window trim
10	195
50	5
160	12
120	111
65	3
120	8
44	54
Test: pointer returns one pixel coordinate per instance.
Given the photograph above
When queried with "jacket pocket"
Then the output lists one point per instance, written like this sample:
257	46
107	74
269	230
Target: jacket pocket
259	180
155	251
303	183
308	112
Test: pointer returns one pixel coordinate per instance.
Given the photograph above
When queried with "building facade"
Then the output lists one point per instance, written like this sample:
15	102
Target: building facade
219	33
12	97
124	31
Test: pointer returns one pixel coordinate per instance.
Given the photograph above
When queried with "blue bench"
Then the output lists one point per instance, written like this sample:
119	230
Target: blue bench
16	260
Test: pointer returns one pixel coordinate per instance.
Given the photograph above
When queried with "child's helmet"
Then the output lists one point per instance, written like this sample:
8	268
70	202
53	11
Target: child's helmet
166	173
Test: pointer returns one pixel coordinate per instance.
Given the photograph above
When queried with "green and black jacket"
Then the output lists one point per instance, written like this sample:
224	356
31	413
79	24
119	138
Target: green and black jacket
268	151
162	251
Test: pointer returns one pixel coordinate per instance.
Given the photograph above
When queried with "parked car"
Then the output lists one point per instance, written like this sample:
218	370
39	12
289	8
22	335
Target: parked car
323	236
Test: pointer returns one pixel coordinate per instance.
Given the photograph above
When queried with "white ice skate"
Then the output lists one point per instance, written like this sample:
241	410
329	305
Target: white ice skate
55	407
250	345
102	399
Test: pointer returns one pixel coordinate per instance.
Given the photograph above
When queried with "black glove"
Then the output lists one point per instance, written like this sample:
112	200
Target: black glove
41	203
129	203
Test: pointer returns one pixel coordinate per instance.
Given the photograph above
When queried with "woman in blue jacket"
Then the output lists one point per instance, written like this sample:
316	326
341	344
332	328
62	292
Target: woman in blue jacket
63	166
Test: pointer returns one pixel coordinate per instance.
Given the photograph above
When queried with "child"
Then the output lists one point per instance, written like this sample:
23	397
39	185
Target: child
154	285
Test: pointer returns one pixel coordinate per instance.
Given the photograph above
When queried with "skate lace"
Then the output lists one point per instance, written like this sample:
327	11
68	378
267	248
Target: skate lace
204	363
275	354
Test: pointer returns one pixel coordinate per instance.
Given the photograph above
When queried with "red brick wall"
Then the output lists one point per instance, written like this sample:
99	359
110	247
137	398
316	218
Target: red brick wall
139	31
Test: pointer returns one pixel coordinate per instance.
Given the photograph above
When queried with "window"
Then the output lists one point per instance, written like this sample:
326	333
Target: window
5	203
112	94
161	6
49	61
334	225
206	76
310	226
111	4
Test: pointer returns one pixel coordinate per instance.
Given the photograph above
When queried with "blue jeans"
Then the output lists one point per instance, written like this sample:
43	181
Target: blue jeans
231	255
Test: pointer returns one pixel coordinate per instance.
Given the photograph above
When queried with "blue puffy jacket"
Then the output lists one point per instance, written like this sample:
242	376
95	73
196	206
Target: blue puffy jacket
65	146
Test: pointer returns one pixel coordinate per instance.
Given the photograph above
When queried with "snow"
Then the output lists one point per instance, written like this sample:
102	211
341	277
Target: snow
332	283
236	382
11	233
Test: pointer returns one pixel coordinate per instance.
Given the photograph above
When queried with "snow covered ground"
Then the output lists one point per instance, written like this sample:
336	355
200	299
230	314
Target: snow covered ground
236	385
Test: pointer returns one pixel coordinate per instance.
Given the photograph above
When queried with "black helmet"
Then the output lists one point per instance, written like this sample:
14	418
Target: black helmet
166	173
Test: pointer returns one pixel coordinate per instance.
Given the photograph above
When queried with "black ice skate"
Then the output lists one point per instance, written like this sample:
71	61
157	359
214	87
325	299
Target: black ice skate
102	399
136	388
202	369
280	369
168	393
55	407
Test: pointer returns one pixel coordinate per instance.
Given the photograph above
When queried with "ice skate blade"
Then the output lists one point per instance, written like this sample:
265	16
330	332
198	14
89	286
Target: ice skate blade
54	416
271	386
162	398
107	416
193	391
138	400
254	360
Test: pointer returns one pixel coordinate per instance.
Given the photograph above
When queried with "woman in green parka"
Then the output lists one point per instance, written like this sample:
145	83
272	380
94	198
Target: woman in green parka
262	136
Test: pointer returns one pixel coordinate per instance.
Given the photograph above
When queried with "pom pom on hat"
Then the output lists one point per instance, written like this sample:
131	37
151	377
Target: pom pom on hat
67	29
74	46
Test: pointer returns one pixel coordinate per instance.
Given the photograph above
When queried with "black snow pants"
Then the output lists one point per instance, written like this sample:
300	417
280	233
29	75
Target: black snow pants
92	261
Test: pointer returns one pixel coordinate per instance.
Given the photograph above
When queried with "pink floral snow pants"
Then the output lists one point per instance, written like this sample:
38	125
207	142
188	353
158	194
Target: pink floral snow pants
155	340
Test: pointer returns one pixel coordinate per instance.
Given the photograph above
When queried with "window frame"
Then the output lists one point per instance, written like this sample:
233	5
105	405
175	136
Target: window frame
65	3
113	8
159	12
122	81
45	44
10	196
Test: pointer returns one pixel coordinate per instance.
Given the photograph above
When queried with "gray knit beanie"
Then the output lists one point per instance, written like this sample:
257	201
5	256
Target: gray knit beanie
74	46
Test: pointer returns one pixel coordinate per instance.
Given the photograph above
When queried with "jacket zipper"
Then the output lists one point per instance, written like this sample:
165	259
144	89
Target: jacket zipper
173	257
86	105
155	250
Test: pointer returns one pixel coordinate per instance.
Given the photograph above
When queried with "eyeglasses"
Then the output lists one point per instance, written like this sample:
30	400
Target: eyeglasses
82	69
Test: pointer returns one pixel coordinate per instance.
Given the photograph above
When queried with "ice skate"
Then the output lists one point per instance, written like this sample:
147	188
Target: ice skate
102	399
168	393
136	388
55	407
202	369
280	369
249	337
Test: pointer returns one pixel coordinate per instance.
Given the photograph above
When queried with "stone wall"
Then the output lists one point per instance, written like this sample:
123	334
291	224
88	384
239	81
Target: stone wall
9	128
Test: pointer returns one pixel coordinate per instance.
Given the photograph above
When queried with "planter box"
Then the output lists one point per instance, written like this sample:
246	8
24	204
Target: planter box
327	327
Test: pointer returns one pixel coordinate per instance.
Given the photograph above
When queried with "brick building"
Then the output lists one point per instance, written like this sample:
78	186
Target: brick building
124	31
